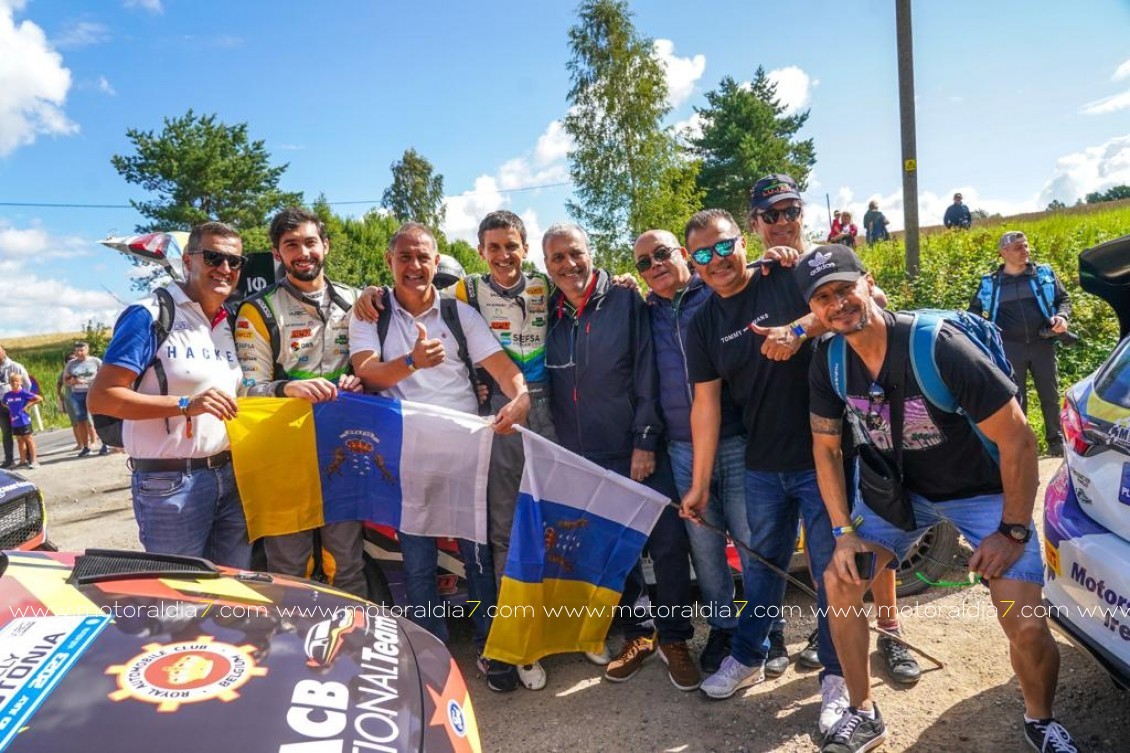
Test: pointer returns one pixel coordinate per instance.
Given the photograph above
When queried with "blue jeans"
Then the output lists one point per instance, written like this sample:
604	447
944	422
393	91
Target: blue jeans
195	513
774	502
420	557
726	510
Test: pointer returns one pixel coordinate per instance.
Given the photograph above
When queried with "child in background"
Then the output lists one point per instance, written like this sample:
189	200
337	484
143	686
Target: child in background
18	400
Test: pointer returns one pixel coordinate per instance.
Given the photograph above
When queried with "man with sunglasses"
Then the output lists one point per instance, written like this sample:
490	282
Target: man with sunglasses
184	494
675	295
750	339
948	474
603	386
292	340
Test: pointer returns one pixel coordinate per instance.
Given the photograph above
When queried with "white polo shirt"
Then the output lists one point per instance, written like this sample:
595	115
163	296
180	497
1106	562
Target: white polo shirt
198	354
448	384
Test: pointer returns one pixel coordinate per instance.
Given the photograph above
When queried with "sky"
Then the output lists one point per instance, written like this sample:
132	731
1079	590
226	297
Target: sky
1017	103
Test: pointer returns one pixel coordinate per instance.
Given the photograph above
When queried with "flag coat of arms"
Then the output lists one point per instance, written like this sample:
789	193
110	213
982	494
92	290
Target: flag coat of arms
578	531
418	468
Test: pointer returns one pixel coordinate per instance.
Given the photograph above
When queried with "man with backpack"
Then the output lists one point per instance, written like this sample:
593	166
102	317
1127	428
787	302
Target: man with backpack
311	363
171	374
425	349
1031	307
949	442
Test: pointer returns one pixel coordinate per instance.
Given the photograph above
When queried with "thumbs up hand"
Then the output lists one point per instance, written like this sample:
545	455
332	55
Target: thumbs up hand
426	353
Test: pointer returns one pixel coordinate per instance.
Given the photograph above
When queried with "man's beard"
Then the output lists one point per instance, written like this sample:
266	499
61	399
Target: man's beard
306	275
864	319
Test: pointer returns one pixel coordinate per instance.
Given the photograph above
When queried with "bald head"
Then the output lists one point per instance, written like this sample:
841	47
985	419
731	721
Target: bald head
662	262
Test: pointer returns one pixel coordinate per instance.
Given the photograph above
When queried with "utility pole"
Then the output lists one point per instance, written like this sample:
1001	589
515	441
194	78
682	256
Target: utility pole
907	128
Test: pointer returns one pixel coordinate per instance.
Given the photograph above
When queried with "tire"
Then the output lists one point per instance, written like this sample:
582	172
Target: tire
379	592
933	557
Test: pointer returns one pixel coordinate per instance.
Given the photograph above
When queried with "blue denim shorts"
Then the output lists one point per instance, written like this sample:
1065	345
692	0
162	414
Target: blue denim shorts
975	517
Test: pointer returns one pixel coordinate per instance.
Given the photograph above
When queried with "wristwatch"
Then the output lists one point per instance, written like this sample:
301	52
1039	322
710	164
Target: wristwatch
1015	532
410	363
799	331
182	405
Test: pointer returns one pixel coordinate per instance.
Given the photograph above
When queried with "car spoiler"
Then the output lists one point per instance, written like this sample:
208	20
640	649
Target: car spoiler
1104	270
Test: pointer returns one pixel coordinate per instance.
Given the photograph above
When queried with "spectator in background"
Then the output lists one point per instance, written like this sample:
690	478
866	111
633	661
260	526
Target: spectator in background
8	367
875	224
79	374
843	230
17	400
957	216
63	392
1030	305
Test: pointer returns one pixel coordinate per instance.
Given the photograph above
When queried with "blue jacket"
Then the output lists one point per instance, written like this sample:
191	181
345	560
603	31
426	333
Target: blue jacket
669	323
602	374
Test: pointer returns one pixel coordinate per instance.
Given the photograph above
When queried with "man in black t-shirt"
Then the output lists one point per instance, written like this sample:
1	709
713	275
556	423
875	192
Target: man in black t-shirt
948	472
751	337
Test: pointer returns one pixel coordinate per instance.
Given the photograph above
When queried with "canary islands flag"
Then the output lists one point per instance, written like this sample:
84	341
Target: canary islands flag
419	468
578	530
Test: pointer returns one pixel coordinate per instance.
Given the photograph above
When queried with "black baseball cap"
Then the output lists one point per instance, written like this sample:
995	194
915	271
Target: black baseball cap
833	263
771	189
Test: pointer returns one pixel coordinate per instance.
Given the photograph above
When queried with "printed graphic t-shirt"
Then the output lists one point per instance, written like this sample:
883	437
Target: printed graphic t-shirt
17	404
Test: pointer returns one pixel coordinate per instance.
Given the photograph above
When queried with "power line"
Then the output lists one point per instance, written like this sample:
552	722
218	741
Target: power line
50	205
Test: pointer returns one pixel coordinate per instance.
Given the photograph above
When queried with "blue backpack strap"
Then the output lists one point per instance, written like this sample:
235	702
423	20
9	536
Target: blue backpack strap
837	365
986	294
1044	288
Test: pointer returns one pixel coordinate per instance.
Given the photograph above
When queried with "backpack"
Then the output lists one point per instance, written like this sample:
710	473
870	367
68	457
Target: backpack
924	327
449	312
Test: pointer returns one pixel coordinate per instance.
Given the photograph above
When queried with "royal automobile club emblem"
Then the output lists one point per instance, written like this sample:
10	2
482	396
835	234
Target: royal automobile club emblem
359	454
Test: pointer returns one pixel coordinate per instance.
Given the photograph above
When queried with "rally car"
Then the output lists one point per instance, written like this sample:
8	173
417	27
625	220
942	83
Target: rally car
127	651
1087	504
23	519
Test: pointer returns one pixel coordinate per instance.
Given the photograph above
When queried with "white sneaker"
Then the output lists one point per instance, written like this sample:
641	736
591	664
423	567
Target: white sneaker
731	677
532	676
601	659
834	702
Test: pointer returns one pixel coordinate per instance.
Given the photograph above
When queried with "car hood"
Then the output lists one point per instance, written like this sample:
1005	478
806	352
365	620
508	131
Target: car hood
214	661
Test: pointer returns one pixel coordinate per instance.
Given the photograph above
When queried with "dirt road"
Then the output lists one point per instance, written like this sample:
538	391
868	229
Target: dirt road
973	704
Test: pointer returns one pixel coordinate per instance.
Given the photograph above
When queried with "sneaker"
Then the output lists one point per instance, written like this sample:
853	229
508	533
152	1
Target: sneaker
856	733
1055	449
777	661
731	677
33	465
501	677
716	649
1049	736
6	464
104	451
900	663
834	702
84	452
681	670
631	658
809	656
601	658
532	676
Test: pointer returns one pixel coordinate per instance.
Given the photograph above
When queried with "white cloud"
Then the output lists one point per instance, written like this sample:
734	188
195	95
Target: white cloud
691	128
1096	168
553	145
466	210
106	87
681	73
34	82
1113	103
1122	72
82	34
794	87
153	6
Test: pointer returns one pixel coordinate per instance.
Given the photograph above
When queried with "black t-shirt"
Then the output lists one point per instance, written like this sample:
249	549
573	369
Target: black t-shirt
772	395
942	457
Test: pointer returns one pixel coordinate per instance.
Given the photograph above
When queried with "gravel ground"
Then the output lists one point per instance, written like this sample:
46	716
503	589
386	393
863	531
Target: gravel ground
973	704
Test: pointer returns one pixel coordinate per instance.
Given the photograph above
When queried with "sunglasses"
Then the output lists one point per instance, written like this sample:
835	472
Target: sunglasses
660	254
216	258
791	214
875	399
723	248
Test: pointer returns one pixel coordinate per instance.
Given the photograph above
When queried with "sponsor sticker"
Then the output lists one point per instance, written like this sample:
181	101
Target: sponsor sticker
1124	487
302	332
38	653
1051	557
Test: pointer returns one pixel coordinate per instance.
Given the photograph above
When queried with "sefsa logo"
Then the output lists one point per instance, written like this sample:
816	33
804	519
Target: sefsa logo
455	716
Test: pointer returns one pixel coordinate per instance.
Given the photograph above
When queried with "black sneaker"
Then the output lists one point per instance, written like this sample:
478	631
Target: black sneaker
716	649
1055	449
501	677
900	663
1049	736
777	660
856	733
809	656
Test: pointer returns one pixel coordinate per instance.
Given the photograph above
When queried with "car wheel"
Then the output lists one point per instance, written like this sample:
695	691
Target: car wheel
379	592
933	557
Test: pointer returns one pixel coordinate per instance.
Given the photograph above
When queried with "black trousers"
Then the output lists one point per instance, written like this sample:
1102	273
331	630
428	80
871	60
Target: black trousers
1037	357
6	428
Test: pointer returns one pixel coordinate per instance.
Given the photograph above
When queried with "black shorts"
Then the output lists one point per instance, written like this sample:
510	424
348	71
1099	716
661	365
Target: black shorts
21	431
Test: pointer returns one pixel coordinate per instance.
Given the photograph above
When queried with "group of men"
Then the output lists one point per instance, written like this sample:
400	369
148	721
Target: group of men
708	391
